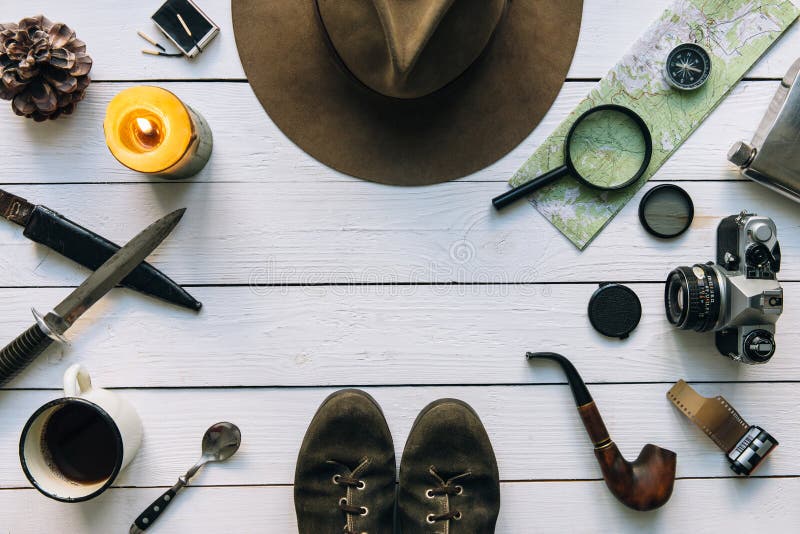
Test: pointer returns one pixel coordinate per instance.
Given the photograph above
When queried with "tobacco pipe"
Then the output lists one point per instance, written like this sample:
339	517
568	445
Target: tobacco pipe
644	484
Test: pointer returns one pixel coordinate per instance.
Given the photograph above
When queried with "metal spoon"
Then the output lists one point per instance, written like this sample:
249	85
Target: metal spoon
220	442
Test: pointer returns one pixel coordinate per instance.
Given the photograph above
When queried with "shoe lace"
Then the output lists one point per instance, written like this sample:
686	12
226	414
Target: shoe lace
351	481
448	489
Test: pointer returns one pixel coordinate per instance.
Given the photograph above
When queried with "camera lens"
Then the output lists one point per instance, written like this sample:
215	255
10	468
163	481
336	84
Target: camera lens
692	297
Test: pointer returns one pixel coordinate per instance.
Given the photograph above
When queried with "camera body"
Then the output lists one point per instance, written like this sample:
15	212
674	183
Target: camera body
739	296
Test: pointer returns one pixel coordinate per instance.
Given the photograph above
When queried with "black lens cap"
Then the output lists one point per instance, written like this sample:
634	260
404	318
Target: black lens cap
614	310
666	211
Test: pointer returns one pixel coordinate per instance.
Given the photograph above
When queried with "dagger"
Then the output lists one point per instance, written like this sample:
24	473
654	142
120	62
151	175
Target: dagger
31	343
72	240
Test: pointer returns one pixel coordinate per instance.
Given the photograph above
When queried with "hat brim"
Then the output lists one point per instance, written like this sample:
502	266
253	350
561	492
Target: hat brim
466	126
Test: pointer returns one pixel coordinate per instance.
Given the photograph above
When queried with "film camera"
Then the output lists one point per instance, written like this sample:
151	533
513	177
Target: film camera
739	297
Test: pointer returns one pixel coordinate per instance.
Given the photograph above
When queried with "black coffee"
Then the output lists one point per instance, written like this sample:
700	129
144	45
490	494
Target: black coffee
80	443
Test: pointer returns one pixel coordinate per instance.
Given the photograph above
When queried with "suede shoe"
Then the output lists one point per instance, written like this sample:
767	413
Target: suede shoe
449	482
345	476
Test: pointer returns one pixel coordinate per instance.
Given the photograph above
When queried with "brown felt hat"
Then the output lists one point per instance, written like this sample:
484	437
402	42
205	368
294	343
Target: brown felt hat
406	92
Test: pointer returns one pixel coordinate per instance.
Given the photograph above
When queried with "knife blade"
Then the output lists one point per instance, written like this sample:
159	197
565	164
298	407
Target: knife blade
87	248
27	346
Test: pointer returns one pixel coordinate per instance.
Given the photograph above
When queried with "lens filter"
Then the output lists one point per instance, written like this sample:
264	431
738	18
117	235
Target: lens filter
666	211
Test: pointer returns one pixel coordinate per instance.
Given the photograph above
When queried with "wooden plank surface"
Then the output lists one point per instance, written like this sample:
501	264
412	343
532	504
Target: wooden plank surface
356	232
525	507
248	147
297	336
536	431
308	275
608	29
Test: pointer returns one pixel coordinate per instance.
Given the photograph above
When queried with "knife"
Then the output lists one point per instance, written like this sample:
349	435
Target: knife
72	240
28	345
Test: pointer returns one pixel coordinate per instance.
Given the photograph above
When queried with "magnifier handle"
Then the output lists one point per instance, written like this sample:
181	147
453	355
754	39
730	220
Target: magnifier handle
509	197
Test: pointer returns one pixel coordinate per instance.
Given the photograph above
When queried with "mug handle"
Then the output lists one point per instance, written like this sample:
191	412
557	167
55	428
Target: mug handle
77	381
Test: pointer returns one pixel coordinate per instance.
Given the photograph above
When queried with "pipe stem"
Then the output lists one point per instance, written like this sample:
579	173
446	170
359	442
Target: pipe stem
579	390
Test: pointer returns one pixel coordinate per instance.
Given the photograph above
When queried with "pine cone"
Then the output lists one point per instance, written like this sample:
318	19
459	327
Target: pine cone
44	68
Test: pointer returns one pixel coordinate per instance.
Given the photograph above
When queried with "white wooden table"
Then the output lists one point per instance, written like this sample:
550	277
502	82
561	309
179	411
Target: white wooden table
314	281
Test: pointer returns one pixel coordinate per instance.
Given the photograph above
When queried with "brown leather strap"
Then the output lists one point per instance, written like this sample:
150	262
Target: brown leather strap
718	419
15	209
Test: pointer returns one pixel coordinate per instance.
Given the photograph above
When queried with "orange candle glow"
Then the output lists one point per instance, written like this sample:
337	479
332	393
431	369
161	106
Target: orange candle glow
150	130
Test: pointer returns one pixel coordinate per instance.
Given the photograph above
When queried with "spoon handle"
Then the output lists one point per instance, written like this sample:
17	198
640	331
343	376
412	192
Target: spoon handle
149	516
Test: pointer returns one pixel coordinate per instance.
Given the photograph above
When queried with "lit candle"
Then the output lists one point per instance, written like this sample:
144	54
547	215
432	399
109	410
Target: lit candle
150	130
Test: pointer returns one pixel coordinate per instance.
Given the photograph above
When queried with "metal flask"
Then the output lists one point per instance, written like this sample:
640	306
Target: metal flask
773	157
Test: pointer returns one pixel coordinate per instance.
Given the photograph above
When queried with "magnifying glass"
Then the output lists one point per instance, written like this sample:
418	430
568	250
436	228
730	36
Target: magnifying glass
608	148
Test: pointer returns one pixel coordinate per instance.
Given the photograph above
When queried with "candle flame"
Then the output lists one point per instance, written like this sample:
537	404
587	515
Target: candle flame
145	126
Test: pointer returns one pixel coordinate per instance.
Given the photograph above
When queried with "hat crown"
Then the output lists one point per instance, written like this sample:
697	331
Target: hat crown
409	48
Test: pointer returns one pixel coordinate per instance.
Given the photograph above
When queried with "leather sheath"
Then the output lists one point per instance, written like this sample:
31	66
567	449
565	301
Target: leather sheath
715	416
72	240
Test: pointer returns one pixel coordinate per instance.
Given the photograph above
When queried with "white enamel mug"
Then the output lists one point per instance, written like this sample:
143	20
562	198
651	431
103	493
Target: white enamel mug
123	428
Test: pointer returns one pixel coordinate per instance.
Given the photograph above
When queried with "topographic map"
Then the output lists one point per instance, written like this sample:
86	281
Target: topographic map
734	32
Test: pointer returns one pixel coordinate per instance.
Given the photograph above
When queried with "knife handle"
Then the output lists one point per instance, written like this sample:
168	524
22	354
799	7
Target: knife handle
18	354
